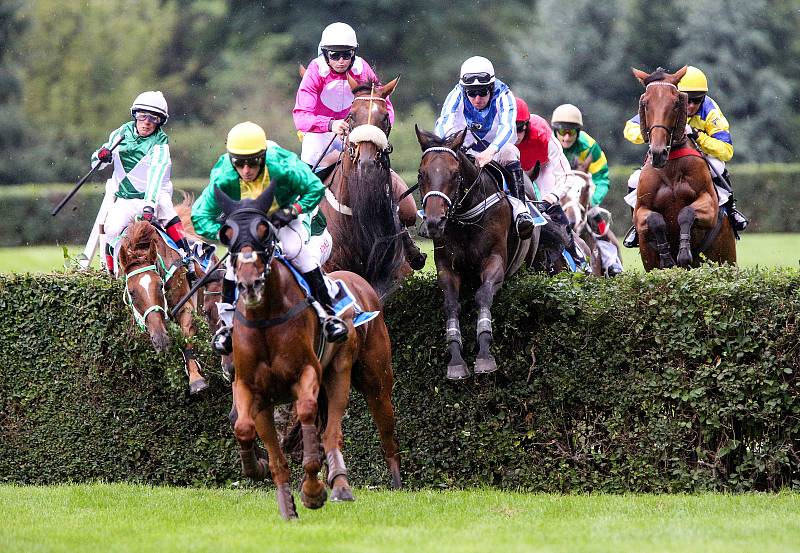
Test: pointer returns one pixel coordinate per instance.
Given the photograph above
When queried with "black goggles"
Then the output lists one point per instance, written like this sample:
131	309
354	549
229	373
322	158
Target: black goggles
476	78
339	55
521	126
697	99
241	162
482	91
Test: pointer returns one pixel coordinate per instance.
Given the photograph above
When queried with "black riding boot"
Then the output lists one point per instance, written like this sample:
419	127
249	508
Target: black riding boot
334	328
631	239
222	343
524	222
738	221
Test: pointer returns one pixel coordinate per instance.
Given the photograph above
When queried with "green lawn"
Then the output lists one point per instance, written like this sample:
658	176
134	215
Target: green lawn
765	250
133	518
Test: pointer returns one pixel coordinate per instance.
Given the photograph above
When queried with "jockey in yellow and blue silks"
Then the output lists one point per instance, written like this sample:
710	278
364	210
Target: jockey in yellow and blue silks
250	164
710	130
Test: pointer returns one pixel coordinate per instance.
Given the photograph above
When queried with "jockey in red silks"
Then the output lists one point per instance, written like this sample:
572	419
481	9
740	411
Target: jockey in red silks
538	144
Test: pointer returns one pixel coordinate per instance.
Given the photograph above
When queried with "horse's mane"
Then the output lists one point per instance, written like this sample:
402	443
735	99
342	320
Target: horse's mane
658	75
184	211
137	241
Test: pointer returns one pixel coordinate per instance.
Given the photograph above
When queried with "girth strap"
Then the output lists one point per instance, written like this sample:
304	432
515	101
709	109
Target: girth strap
296	309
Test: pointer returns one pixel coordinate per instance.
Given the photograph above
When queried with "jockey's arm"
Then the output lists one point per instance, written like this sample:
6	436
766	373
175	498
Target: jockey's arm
205	210
305	120
506	114
307	189
598	169
633	131
157	172
111	138
450	115
552	180
714	137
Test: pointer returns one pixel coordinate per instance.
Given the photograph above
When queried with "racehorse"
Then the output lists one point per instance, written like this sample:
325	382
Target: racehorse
470	220
677	215
155	280
275	340
366	217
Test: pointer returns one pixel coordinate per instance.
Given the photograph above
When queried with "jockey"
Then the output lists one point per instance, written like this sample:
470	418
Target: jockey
141	175
486	107
582	151
537	144
250	164
324	97
709	128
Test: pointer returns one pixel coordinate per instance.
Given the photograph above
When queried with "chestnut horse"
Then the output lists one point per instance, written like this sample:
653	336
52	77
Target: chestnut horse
677	215
155	279
470	221
275	340
366	217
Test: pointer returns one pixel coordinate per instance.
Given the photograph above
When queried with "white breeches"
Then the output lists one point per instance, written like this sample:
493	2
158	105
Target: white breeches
504	155
314	145
716	166
123	212
518	206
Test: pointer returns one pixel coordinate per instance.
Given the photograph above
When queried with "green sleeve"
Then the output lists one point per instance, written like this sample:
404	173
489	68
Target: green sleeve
205	210
599	171
295	182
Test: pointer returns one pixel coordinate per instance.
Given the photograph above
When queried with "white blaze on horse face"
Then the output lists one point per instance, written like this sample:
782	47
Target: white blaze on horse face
144	282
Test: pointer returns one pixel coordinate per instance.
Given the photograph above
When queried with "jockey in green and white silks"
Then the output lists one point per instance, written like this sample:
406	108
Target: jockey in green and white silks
245	171
142	167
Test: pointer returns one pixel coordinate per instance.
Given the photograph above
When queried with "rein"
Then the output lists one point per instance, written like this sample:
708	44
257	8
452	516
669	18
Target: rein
454	205
164	275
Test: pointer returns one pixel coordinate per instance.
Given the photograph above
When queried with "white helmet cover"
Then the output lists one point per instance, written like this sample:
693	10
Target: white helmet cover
476	65
153	101
338	34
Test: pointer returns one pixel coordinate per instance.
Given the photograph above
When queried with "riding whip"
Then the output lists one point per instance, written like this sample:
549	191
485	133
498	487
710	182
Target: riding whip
201	282
325	151
84	179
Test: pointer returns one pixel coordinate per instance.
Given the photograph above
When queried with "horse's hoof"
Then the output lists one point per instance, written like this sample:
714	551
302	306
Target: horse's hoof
198	385
485	366
286	502
314	502
457	372
684	259
342	493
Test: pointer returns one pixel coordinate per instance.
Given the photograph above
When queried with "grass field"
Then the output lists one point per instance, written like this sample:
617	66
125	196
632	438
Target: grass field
765	250
123	517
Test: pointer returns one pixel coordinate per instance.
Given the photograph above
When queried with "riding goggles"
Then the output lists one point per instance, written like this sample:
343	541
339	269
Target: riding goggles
476	78
482	91
521	126
149	117
567	132
241	162
336	56
697	99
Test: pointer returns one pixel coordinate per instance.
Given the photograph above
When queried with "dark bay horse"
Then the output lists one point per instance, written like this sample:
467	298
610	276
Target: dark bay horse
470	221
155	280
275	338
366	218
677	215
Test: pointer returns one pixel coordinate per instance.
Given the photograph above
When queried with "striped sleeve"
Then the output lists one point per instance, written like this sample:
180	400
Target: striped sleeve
717	141
160	163
633	131
111	138
447	119
506	113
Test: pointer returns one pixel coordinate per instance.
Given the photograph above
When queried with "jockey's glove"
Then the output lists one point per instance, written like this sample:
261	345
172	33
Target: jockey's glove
104	155
284	216
148	213
549	200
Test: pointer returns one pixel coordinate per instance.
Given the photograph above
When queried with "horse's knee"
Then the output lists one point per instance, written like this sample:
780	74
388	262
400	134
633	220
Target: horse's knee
244	430
307	410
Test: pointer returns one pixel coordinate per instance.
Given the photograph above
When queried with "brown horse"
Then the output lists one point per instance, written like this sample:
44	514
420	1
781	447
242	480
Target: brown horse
677	215
366	217
155	279
275	340
470	221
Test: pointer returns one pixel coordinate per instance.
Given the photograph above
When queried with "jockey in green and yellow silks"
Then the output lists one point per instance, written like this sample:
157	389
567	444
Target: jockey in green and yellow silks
250	165
581	150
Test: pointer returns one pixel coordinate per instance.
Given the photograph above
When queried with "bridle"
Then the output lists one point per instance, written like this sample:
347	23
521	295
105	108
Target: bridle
670	131
352	149
454	204
164	274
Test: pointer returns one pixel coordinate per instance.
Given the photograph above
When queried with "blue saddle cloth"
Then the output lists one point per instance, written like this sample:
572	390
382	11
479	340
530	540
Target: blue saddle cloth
342	302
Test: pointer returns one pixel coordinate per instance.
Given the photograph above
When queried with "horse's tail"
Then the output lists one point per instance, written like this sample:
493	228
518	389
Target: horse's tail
376	240
184	211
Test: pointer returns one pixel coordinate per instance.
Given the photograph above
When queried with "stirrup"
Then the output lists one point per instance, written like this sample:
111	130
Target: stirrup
334	328
222	343
738	220
631	239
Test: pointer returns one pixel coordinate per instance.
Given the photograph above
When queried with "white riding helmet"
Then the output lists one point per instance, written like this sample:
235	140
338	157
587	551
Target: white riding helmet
567	116
338	34
476	70
153	101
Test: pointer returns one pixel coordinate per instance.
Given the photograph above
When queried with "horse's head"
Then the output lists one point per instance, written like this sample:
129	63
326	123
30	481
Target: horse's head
441	174
369	121
251	240
662	112
144	283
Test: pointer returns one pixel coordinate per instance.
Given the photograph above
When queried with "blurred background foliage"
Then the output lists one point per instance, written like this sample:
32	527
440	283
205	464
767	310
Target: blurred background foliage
69	70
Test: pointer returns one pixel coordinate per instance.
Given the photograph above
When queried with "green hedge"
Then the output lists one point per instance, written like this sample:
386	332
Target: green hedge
671	381
767	194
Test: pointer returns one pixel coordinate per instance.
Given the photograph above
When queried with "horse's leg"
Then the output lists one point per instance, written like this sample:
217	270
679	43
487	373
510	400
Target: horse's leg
686	218
306	392
656	238
244	429
196	381
278	466
337	388
450	283
492	276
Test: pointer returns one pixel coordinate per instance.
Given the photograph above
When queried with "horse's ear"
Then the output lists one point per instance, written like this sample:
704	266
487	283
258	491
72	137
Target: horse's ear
458	140
264	201
678	75
388	88
354	84
153	253
639	74
123	257
422	137
301	70
225	203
